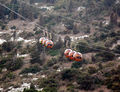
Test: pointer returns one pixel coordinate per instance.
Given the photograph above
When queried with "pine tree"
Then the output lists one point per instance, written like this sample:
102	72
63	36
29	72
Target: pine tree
113	18
67	41
70	6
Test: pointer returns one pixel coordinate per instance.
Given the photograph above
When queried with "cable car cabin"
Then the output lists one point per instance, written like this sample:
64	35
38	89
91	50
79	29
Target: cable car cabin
44	42
77	56
41	39
71	55
49	44
66	53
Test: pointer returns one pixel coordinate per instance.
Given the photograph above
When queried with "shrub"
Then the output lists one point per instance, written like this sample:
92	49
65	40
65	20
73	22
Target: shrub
49	85
3	27
70	88
35	57
113	82
69	74
69	24
53	52
10	75
117	49
105	56
112	79
59	44
13	27
51	62
92	70
50	89
8	46
32	69
83	47
77	64
109	3
14	64
30	90
88	82
11	64
4	60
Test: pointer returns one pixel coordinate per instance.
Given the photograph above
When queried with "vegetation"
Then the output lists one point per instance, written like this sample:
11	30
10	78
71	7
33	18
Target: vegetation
83	47
88	82
105	56
11	64
8	46
76	64
112	81
66	23
15	64
69	74
53	52
32	69
49	85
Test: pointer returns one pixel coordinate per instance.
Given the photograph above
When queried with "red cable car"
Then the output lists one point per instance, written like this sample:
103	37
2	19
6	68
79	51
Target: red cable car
71	55
44	42
77	56
66	53
41	39
49	44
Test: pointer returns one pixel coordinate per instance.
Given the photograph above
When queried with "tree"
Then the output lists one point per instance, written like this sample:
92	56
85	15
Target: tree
117	49
41	20
117	7
70	5
32	86
75	28
30	90
8	46
69	74
69	24
14	64
109	3
113	18
87	82
83	47
35	57
49	85
14	5
77	64
50	1
67	41
35	54
31	69
59	44
104	56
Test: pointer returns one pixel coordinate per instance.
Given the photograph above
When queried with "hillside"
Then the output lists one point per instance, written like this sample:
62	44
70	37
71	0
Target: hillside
91	27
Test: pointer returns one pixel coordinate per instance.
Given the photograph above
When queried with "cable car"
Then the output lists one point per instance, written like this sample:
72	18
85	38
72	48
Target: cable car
66	53
44	42
49	44
77	56
41	39
71	55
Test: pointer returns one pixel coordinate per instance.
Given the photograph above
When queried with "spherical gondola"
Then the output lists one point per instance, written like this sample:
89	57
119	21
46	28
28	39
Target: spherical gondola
71	55
66	53
41	39
44	42
49	44
77	56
